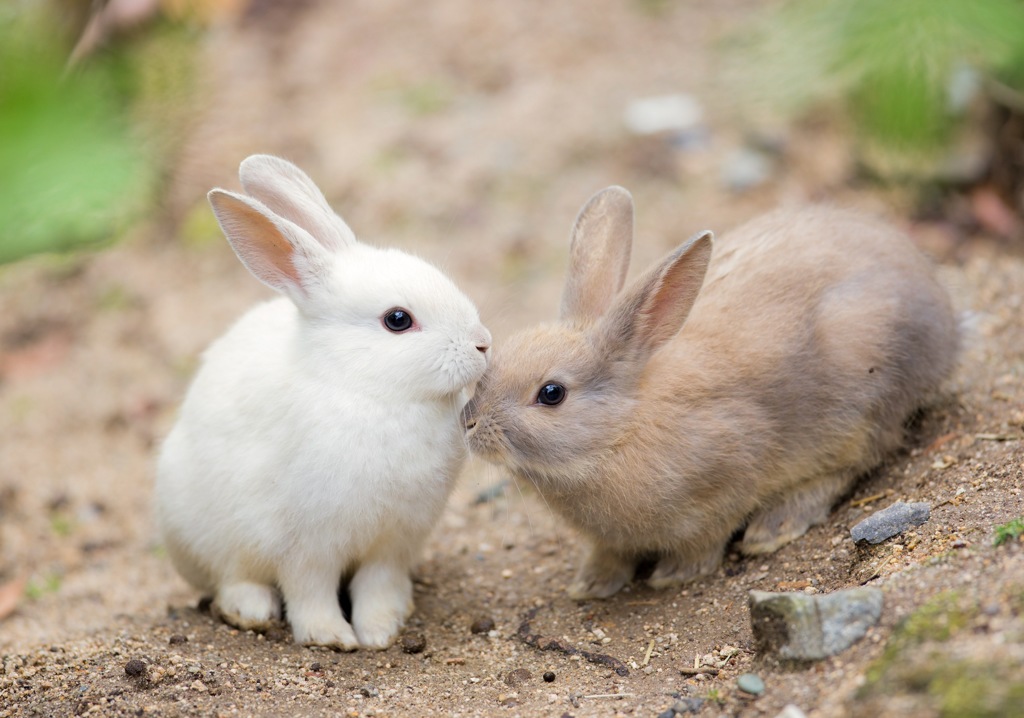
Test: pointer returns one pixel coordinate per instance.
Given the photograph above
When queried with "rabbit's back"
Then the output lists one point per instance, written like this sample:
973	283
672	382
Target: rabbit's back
828	325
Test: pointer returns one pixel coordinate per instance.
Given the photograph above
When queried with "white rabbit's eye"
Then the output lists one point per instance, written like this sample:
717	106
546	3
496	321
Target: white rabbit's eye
398	320
551	394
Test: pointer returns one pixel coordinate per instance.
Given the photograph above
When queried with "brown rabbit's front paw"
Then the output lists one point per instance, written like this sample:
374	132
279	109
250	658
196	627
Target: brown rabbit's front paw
675	569
601	576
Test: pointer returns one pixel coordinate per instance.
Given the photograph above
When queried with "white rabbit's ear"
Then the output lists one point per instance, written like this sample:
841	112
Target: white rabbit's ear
279	253
290	193
602	239
656	306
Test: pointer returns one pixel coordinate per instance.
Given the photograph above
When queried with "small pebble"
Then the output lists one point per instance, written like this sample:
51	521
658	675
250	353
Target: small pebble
667	714
688	705
482	625
316	667
134	667
413	643
750	683
549	677
176	639
277	635
518	677
745	169
369	692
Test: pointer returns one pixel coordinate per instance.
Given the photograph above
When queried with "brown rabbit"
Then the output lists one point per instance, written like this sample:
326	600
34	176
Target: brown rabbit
751	387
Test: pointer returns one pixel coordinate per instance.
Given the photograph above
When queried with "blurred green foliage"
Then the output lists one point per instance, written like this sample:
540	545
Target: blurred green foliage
1009	531
904	71
74	167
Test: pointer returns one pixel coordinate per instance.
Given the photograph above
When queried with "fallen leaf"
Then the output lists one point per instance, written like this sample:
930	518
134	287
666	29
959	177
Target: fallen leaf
10	595
37	358
993	213
944	439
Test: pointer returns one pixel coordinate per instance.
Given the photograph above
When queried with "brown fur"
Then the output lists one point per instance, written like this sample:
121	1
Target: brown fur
815	334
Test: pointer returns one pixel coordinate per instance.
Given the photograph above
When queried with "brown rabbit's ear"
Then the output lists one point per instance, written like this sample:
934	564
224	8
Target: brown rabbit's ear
279	253
289	192
656	305
602	239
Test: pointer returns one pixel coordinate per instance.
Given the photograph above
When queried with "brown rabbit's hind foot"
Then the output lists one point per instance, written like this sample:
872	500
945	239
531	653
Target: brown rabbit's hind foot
248	606
678	568
776	525
602	574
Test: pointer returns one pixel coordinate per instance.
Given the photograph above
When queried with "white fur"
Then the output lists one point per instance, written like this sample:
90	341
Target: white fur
313	443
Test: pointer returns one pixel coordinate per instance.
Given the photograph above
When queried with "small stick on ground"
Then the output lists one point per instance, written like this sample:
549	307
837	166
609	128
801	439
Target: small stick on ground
704	670
610	695
878	571
647	656
543	643
868	499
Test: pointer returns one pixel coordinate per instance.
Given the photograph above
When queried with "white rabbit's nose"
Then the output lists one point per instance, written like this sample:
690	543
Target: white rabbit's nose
482	339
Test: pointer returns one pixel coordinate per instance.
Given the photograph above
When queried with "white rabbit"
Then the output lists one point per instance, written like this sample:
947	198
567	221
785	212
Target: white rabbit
321	436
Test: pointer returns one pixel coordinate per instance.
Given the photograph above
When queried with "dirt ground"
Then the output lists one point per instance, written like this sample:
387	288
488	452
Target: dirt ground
469	133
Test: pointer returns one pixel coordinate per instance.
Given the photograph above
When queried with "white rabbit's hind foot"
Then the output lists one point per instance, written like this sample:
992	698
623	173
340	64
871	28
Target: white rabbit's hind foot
381	601
602	574
249	606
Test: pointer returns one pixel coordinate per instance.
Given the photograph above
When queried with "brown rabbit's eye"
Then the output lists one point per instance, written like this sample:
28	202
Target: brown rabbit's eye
551	394
398	320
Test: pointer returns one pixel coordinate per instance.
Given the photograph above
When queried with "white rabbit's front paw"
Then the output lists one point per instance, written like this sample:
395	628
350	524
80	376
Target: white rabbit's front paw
381	601
337	634
249	606
379	627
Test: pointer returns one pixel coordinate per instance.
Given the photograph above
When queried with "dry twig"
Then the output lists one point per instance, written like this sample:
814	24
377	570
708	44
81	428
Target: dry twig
543	643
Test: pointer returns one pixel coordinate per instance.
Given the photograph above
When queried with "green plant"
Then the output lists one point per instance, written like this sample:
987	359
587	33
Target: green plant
36	589
80	144
1009	531
903	72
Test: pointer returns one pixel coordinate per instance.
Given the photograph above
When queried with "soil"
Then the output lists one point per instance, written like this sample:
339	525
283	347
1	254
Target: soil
469	133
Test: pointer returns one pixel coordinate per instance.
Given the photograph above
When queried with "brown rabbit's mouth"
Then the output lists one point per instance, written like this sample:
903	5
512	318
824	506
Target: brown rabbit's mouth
480	442
483	439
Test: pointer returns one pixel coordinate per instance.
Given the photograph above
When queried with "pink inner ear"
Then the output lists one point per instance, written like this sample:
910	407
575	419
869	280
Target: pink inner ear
263	247
666	309
670	305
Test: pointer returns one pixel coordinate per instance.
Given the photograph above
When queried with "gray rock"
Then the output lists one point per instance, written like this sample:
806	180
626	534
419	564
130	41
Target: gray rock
801	627
750	683
890	522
